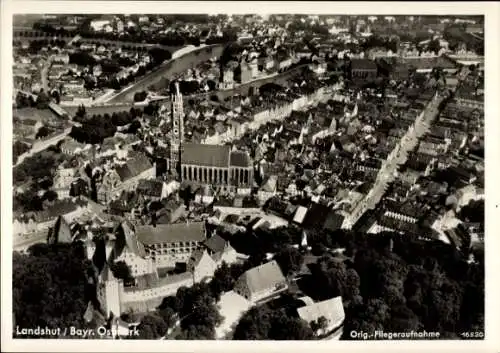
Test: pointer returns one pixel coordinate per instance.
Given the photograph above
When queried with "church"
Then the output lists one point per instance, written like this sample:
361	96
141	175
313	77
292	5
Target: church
217	165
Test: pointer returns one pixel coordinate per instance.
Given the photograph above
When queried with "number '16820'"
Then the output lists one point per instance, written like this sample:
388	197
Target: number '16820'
472	335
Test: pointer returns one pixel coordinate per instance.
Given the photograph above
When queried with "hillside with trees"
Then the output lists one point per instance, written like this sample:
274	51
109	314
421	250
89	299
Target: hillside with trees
49	287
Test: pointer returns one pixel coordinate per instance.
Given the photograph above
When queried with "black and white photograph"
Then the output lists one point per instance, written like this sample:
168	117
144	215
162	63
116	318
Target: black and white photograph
249	176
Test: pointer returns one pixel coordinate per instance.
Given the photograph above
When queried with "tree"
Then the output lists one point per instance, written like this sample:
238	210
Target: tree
366	317
319	325
263	323
434	46
140	96
223	279
159	55
473	211
134	127
18	148
55	94
290	260
121	271
80	112
152	326
38	166
170	302
212	85
42	132
42	101
27	201
168	315
203	316
23	101
50	195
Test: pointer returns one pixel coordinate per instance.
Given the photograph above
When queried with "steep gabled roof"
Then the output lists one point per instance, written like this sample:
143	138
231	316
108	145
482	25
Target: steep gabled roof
205	155
169	233
216	244
133	168
150	187
264	277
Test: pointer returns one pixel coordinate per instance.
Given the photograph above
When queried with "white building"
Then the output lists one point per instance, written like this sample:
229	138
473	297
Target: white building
261	282
332	310
98	25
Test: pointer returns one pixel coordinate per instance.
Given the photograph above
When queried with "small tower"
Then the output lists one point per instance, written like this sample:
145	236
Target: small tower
177	132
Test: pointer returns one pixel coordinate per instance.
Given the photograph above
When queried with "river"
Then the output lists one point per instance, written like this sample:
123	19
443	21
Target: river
167	70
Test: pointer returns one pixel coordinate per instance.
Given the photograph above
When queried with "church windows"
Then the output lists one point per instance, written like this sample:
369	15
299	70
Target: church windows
246	176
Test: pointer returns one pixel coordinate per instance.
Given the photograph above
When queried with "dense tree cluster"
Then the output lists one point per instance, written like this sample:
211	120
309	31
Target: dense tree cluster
195	308
455	35
95	129
82	58
37	167
159	55
399	284
376	41
418	285
473	211
264	323
49	287
24	101
18	148
37	171
36	45
264	241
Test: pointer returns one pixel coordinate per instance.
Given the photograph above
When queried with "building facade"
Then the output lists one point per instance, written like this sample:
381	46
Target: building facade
216	165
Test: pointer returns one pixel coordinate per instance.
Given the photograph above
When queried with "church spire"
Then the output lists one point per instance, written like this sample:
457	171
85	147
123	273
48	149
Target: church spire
177	131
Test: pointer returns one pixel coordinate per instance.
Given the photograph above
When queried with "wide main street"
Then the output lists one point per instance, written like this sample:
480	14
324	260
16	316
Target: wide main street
387	173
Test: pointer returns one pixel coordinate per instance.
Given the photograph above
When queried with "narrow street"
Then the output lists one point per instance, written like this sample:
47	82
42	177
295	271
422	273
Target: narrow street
44	73
42	145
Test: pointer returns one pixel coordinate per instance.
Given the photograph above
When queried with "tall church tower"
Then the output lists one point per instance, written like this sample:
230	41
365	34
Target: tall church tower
177	132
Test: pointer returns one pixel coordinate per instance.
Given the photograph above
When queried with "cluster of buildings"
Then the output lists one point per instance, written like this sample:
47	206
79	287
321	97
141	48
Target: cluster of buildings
309	153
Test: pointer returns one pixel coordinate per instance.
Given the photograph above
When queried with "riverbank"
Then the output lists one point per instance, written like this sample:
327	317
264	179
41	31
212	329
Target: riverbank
182	60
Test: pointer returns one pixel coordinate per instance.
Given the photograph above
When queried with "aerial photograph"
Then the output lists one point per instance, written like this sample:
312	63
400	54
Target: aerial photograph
248	177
